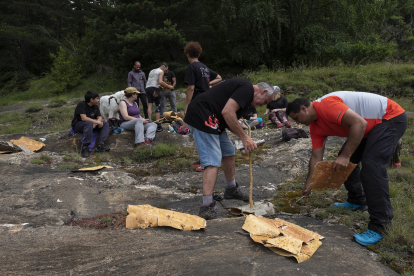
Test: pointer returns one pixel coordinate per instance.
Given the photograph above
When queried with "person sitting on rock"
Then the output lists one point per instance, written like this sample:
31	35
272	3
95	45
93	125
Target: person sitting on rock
87	118
251	117
277	109
130	116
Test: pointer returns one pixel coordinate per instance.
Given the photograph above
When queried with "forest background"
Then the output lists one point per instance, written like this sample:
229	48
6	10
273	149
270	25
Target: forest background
69	40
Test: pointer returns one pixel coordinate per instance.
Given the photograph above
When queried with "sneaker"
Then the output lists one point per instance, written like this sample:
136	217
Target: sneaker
252	128
279	124
397	164
159	127
85	151
195	164
140	144
209	212
288	124
199	169
236	193
102	148
369	237
350	206
148	142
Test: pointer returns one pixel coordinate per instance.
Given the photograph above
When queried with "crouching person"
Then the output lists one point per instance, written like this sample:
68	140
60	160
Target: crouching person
87	118
208	115
131	119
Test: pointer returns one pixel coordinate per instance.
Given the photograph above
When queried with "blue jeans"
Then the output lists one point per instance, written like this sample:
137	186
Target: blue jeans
212	147
87	128
171	97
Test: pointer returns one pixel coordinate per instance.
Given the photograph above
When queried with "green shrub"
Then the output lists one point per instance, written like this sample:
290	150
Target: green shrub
291	97
37	161
143	153
56	103
316	94
66	71
34	108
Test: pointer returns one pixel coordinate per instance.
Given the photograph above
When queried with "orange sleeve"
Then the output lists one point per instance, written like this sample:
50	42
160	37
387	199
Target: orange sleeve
317	140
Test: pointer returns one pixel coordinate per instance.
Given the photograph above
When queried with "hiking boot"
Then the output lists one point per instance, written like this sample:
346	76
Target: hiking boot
235	193
159	127
85	151
288	124
147	142
209	212
369	237
350	206
199	169
102	148
397	164
195	164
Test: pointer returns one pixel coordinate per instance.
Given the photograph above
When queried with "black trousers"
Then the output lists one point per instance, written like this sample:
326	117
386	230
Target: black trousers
87	128
143	98
369	185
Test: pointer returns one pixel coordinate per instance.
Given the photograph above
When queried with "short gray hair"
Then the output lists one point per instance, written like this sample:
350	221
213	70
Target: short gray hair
267	86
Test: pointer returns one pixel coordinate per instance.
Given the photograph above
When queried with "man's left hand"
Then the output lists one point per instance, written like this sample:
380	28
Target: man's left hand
340	163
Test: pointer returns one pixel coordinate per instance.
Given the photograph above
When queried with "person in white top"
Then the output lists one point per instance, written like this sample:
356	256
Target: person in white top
155	79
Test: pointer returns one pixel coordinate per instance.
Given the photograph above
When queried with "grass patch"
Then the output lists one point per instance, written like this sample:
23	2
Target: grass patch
56	103
13	122
37	161
180	107
34	108
154	152
68	167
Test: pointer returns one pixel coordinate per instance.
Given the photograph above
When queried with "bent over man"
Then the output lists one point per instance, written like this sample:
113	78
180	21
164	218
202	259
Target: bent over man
373	124
208	116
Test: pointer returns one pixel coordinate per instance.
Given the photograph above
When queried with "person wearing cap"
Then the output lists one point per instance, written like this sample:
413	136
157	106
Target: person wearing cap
137	79
155	79
130	116
87	117
277	108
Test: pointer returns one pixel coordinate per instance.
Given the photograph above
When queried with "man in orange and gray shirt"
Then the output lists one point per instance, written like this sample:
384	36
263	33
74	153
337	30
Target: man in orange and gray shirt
373	124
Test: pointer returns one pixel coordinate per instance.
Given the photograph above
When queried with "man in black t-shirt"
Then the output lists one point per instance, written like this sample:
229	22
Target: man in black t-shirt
88	117
169	78
208	116
198	77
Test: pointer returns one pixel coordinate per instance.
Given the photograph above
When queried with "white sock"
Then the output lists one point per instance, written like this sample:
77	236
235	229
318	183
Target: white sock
207	200
231	184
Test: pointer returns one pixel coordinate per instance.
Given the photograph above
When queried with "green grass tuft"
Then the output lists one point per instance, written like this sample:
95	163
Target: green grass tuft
34	108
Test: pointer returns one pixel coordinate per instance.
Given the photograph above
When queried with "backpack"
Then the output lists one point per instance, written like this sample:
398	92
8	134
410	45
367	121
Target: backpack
289	133
115	125
176	125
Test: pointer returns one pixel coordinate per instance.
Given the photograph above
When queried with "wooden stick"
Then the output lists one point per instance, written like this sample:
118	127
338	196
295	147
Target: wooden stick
250	167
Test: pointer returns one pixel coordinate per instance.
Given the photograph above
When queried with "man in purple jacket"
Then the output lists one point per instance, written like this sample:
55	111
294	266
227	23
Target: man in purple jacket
137	79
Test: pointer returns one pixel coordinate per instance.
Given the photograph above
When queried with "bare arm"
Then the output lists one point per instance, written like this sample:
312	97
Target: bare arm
174	82
357	126
267	111
254	116
278	109
229	114
317	156
162	83
189	95
216	80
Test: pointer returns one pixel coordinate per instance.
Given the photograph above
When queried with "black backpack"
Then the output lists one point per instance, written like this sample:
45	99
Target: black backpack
115	125
289	133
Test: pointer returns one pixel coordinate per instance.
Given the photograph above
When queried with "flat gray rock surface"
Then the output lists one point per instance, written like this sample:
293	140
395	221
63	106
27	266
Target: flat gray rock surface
44	198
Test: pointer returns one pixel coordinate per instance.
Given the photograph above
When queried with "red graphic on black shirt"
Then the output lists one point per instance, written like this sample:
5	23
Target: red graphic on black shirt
213	123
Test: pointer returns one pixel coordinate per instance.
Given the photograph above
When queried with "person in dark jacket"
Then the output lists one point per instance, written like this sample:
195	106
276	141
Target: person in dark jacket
277	108
137	79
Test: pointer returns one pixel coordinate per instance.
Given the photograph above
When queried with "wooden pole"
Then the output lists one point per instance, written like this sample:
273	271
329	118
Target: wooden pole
250	167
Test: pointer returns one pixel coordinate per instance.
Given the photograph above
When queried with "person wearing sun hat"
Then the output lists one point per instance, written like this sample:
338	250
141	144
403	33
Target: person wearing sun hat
130	116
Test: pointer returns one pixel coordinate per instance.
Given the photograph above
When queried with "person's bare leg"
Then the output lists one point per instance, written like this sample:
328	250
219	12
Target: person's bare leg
150	111
157	115
209	180
254	123
229	164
